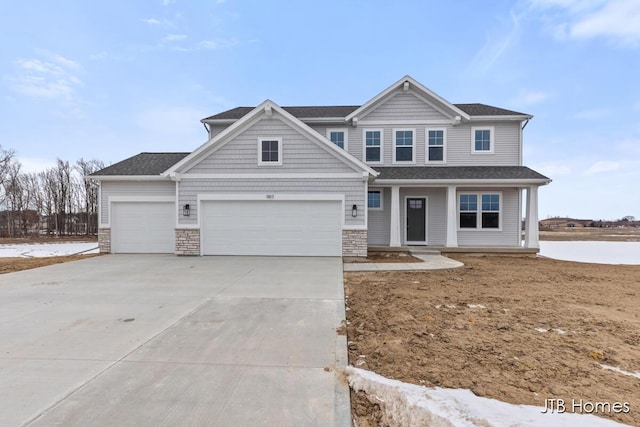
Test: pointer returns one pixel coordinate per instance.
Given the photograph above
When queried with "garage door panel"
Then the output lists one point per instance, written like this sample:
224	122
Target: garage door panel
143	227
279	228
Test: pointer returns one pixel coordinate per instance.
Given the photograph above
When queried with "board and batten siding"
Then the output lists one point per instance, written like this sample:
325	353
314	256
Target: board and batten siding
352	189
511	221
240	155
132	189
403	106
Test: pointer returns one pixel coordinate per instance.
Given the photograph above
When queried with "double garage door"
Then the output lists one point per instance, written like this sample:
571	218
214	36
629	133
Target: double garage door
272	227
234	227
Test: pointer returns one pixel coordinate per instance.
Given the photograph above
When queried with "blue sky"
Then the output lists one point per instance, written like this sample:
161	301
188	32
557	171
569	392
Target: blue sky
107	80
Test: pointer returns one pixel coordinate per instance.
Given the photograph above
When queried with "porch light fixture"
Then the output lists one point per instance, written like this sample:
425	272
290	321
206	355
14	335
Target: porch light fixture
186	211
354	211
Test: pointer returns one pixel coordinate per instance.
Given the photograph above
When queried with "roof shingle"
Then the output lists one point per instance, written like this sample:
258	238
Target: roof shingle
344	110
142	164
458	172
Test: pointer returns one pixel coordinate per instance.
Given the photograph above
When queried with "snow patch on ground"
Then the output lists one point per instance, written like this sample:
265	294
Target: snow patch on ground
620	371
405	404
43	250
595	252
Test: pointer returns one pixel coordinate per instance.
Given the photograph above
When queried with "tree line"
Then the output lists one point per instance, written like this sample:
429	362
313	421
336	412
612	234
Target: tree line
57	201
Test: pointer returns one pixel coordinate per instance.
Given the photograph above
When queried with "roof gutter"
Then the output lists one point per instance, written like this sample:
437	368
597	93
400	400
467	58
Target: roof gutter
463	182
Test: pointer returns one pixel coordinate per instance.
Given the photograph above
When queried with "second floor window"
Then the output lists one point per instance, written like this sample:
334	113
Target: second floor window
373	146
403	146
338	137
482	140
435	145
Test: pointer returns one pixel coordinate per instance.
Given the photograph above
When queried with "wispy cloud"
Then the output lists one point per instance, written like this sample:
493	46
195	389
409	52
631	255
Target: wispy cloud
614	20
594	114
602	166
151	21
531	97
174	37
167	2
551	170
497	44
54	77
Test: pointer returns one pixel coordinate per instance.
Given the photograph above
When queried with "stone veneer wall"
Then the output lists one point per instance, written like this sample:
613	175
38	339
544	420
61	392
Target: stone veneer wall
354	243
104	240
187	241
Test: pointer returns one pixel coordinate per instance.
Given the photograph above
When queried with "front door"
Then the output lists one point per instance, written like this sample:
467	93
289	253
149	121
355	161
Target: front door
416	220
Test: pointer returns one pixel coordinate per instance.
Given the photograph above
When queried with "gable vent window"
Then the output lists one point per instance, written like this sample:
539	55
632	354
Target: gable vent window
338	137
270	151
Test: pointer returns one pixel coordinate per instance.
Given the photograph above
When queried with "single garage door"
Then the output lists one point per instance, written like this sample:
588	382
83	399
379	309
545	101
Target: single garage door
272	227
143	227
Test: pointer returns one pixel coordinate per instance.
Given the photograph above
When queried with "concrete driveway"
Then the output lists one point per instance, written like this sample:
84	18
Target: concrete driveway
155	340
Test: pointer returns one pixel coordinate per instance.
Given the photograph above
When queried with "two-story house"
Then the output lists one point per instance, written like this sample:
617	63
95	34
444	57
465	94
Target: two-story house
406	168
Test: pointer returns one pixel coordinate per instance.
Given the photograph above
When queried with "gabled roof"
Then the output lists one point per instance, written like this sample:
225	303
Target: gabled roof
459	173
409	82
268	107
341	111
143	164
307	112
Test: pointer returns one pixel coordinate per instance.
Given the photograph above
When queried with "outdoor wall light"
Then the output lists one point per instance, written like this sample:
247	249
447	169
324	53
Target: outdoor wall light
354	211
186	211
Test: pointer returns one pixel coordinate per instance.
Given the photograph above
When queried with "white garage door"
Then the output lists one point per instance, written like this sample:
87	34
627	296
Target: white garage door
272	227
143	227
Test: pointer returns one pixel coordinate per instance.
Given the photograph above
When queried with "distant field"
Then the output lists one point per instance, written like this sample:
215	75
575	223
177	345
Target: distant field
597	234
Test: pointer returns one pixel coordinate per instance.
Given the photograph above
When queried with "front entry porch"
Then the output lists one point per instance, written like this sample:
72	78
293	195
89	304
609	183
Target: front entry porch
470	217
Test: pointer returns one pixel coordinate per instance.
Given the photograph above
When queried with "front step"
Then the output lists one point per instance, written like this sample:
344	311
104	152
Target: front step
424	252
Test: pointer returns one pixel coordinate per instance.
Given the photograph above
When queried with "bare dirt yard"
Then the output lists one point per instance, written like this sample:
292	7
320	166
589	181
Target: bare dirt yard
8	265
516	329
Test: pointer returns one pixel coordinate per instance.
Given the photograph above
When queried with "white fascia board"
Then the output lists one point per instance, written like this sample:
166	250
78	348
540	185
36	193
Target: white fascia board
461	182
421	88
222	135
218	121
188	176
272	196
129	178
500	118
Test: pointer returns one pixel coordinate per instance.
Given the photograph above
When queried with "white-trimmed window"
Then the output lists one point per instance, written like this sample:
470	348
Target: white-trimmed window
480	211
338	137
374	200
404	146
372	145
436	145
482	140
270	151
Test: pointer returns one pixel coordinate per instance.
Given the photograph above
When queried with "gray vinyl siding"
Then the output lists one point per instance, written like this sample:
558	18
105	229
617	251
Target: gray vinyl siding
510	234
353	190
506	145
132	188
436	213
404	106
380	220
215	130
298	153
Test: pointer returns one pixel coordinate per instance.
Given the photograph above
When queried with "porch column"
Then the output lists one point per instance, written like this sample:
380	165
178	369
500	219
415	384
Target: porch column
394	232
452	223
531	222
